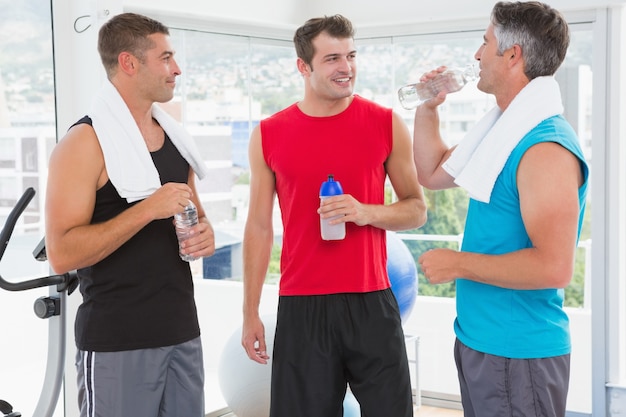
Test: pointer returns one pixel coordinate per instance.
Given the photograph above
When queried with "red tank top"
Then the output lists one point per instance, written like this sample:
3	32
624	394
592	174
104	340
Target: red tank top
302	151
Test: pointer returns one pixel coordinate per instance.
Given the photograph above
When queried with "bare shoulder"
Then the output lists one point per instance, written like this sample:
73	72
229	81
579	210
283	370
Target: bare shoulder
549	160
548	154
79	137
78	153
398	123
255	146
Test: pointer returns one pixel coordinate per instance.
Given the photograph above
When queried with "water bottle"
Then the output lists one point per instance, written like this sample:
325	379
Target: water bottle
449	81
184	221
330	188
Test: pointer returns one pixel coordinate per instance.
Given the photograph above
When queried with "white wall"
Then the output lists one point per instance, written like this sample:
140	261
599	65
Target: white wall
363	13
393	12
266	11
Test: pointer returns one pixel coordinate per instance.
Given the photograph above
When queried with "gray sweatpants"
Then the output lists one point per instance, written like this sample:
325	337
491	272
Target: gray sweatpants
160	382
494	386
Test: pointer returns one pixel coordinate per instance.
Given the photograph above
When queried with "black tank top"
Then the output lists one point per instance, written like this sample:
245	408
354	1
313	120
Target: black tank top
141	296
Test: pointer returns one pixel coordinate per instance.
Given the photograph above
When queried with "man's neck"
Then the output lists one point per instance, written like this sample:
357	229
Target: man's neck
324	108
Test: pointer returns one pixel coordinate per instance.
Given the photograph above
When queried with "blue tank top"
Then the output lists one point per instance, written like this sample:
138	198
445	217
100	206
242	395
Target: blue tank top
520	324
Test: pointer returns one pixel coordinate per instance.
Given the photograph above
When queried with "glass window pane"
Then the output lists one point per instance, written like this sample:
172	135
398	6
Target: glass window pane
230	83
27	133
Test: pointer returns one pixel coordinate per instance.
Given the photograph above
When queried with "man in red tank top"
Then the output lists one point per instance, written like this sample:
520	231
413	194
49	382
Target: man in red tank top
338	322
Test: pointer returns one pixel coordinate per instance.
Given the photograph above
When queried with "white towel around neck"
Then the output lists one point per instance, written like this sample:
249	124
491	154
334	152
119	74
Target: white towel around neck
126	156
479	158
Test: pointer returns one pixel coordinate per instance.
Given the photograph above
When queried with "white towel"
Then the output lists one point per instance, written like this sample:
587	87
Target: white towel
479	158
126	155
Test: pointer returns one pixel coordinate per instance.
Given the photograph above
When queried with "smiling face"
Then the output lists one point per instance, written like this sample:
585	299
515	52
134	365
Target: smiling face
332	72
158	70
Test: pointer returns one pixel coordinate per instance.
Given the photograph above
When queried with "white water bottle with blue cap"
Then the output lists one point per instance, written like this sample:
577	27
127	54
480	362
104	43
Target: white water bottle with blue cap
330	188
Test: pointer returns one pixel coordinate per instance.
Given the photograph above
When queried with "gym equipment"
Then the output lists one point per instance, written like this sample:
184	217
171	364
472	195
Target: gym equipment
245	384
402	273
7	410
51	307
351	407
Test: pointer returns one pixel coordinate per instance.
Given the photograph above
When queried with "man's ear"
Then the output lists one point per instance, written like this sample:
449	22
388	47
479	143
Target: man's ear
303	67
515	54
127	62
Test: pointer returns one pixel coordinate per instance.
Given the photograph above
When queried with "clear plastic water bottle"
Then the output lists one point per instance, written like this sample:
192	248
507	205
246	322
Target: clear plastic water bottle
449	81
330	188
184	221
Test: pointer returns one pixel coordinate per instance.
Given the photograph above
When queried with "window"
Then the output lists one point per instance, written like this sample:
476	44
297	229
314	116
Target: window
232	82
27	126
229	83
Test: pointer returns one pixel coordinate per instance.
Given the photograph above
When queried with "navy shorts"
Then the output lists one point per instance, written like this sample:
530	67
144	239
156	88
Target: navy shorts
323	343
160	382
494	386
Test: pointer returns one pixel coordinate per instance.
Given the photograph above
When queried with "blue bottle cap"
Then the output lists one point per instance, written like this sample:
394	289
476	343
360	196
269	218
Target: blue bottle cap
330	187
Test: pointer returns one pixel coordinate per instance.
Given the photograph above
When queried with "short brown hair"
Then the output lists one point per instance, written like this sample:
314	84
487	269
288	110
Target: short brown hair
336	26
126	32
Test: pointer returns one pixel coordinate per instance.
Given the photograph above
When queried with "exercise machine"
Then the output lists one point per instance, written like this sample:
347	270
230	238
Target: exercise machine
51	308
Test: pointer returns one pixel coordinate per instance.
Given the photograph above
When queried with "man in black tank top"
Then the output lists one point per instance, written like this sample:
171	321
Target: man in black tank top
137	332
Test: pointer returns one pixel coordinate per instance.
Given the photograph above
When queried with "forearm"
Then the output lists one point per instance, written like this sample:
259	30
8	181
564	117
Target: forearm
406	214
88	244
525	269
429	149
257	248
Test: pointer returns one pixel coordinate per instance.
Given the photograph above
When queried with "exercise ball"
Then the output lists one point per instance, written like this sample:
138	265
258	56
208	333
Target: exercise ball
245	384
402	274
351	407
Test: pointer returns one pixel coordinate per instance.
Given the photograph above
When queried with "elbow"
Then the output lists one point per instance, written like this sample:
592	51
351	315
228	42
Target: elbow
431	183
426	182
560	275
53	259
418	217
58	263
422	211
422	216
428	179
562	281
58	267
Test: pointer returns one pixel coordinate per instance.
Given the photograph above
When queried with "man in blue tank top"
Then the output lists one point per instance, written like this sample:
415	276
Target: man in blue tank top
115	182
527	180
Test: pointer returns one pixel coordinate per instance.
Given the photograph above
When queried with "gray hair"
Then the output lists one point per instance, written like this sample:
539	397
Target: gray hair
540	31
